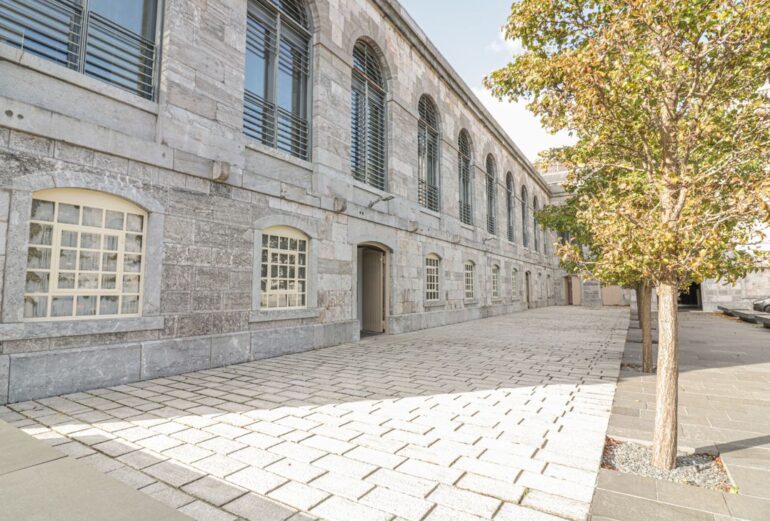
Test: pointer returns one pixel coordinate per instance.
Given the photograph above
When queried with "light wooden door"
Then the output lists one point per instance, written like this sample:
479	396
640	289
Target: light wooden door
373	291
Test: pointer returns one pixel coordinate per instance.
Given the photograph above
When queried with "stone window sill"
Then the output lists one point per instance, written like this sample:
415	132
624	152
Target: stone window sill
497	300
12	54
428	211
28	330
471	301
282	314
434	304
277	154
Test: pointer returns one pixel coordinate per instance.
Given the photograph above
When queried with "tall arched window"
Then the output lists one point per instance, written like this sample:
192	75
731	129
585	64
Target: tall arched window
85	257
495	281
535	230
367	134
465	160
427	155
524	216
276	77
283	282
470	279
491	194
509	206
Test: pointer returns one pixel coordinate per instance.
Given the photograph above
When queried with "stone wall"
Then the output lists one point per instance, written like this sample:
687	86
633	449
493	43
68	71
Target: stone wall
62	129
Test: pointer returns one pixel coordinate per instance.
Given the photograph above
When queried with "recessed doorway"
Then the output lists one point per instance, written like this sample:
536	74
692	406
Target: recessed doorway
372	294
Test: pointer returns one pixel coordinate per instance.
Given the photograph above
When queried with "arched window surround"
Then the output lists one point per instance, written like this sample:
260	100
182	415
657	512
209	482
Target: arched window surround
495	280
428	155
510	196
368	117
535	230
524	217
465	177
491	194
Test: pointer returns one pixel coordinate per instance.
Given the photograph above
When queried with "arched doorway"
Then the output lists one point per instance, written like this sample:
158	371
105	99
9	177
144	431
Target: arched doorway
372	289
528	288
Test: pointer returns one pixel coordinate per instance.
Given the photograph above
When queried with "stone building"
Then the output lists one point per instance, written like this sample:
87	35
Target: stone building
186	184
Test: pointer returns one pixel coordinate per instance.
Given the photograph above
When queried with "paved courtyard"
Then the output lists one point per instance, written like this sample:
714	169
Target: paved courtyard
502	418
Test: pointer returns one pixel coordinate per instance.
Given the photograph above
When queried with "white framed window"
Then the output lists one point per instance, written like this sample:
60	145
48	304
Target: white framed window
514	282
470	274
283	282
85	257
432	266
495	281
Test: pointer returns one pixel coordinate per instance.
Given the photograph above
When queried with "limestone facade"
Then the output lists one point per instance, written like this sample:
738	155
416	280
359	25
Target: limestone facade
209	192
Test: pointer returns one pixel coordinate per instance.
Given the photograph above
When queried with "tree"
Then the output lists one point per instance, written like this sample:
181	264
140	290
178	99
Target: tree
666	100
581	255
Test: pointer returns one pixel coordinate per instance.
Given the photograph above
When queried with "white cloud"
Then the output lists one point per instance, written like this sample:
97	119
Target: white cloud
502	45
521	125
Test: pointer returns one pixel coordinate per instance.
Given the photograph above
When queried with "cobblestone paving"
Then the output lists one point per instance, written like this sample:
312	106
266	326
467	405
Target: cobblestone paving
502	418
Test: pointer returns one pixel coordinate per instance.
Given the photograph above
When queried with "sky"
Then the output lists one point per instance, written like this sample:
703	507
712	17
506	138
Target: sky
469	35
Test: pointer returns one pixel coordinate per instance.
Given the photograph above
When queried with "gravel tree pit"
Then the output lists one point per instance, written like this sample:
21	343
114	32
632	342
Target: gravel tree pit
700	470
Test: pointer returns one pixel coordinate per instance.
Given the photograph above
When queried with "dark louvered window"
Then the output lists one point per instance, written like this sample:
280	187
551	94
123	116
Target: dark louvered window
276	77
367	118
465	162
535	231
428	154
509	206
491	194
524	217
115	42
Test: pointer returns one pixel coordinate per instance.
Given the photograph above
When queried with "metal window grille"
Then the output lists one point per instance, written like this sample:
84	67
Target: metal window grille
491	195
535	227
432	264
68	33
470	268
524	217
495	281
284	269
464	168
428	155
367	148
509	195
275	109
85	257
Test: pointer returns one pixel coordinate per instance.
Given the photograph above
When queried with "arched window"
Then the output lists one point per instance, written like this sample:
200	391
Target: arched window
491	194
432	267
470	279
465	160
535	229
115	42
524	216
276	77
367	134
427	155
495	281
85	257
514	281
284	268
509	200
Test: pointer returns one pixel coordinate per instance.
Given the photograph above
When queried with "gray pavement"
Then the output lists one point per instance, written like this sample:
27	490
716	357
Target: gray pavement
502	418
724	408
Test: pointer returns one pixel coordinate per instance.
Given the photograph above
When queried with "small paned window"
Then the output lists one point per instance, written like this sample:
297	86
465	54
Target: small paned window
495	281
432	266
470	275
284	268
85	257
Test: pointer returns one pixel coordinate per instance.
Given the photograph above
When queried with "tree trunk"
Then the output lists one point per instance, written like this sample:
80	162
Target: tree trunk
667	390
644	304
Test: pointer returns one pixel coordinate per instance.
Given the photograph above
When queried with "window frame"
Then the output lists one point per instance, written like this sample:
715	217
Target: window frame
432	278
510	193
515	290
363	84
271	139
495	280
491	194
265	260
428	137
469	280
78	47
105	203
525	216
535	231
465	171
